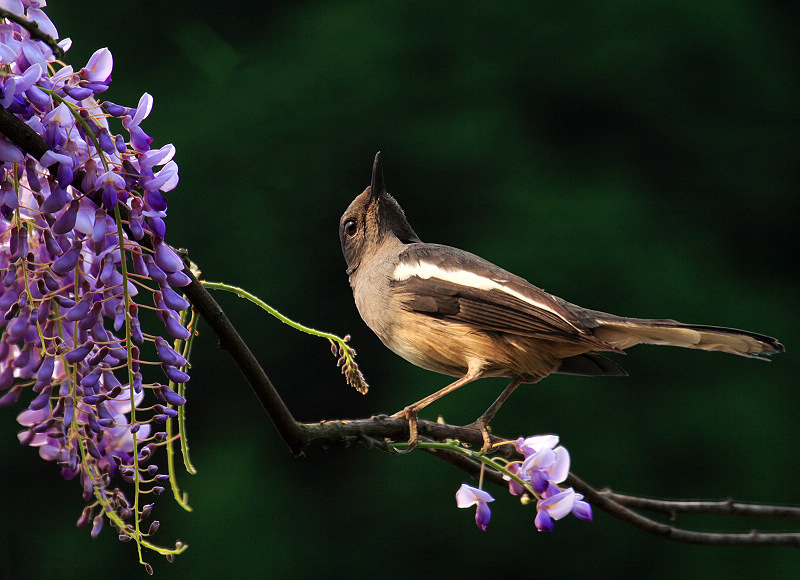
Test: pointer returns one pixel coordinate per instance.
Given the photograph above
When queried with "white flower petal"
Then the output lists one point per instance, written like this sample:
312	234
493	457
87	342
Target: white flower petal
560	468
560	504
100	65
13	6
142	110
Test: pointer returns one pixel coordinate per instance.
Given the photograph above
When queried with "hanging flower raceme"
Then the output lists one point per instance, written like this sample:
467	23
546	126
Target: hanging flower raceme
89	290
545	465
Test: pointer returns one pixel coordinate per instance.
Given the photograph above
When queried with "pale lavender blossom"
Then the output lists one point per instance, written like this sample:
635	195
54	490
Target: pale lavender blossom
530	445
467	496
553	507
545	462
545	466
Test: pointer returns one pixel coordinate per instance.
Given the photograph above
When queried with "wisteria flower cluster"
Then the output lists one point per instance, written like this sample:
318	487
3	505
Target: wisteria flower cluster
545	465
84	274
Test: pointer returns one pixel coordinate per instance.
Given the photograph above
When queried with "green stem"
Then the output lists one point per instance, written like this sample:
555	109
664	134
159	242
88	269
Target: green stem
137	537
187	351
339	345
480	457
180	497
242	293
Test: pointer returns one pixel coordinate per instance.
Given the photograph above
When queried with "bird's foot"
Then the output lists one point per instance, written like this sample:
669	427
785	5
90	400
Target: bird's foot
482	426
410	415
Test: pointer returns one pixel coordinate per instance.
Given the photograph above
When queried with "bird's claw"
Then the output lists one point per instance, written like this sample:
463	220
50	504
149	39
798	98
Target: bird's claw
484	431
409	415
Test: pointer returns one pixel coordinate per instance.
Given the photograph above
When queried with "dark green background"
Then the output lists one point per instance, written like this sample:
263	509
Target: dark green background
634	157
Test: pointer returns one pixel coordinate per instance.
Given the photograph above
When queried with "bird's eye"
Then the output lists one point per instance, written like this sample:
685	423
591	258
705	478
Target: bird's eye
350	227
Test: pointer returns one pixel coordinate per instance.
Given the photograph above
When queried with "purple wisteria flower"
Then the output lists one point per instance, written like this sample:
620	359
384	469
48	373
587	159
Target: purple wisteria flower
82	254
554	505
467	496
581	509
545	465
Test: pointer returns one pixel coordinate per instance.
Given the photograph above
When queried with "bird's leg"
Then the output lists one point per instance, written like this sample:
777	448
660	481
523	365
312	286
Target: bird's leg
410	412
482	422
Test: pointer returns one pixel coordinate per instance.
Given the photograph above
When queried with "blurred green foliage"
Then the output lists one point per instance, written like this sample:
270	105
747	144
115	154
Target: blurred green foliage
634	157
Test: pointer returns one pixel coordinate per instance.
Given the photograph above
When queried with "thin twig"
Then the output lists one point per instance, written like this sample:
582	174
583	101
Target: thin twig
724	507
606	502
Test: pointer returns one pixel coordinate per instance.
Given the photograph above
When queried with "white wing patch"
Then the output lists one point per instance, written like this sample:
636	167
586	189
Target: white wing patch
425	270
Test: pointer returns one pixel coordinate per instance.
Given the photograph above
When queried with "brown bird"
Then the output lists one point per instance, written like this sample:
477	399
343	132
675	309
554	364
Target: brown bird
449	311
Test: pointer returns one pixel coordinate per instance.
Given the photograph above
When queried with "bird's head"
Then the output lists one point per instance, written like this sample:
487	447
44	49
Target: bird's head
372	219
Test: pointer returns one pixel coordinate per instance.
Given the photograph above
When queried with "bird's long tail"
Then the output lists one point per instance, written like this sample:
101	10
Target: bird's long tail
623	332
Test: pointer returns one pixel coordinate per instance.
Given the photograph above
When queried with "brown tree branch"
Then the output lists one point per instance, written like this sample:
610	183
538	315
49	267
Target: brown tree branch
16	131
379	431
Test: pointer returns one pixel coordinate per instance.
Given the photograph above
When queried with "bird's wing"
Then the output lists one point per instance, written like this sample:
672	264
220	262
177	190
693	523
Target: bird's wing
450	283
